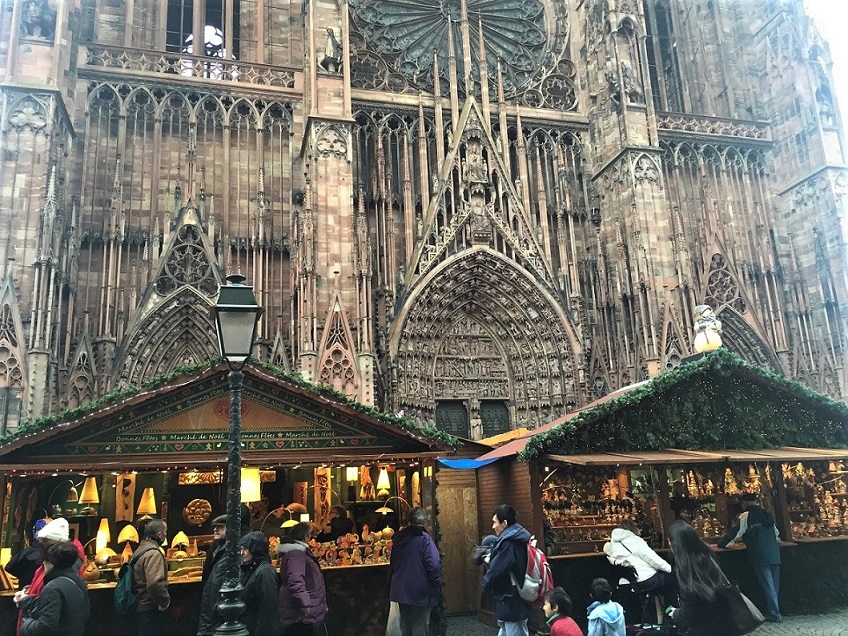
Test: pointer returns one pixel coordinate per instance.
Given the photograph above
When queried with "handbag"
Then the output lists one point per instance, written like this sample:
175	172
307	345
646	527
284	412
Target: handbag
743	614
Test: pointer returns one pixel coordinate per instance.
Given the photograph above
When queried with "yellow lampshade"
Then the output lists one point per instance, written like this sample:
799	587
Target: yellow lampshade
89	492
383	484
147	505
180	539
104	528
5	556
290	523
128	533
250	485
352	473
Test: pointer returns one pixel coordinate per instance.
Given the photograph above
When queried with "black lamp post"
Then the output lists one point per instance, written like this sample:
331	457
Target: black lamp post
236	316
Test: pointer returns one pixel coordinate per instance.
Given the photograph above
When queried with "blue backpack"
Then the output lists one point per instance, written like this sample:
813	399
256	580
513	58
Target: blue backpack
125	598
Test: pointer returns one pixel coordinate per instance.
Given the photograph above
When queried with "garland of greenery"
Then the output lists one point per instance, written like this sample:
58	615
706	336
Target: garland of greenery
716	402
429	433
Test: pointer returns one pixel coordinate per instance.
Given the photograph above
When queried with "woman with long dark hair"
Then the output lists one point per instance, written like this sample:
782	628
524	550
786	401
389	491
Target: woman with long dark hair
703	608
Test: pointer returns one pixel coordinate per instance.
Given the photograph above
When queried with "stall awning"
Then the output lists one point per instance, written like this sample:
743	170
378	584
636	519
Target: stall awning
464	464
679	456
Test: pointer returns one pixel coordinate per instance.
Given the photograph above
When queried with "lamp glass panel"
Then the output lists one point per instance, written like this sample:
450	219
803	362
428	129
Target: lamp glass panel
352	473
235	333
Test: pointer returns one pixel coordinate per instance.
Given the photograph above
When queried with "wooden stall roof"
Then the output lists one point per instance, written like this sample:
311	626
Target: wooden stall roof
185	421
817	419
678	456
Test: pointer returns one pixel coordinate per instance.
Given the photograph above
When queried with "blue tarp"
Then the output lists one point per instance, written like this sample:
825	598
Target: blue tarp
464	464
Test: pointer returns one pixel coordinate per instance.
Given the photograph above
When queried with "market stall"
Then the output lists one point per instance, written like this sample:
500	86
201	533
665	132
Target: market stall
160	452
684	445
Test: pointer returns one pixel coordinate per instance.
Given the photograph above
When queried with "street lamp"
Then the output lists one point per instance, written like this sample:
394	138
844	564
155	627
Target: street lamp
236	316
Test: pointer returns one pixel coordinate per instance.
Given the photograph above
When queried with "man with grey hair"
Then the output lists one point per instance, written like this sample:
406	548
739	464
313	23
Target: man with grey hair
416	573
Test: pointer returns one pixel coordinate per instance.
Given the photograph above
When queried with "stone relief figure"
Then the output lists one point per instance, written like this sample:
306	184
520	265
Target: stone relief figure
632	86
331	60
824	99
38	20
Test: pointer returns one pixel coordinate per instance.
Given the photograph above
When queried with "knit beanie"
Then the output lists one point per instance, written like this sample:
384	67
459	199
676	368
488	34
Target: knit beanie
56	530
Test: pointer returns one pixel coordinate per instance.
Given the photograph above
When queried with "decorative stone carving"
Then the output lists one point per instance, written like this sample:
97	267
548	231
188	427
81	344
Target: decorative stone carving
331	142
337	367
187	263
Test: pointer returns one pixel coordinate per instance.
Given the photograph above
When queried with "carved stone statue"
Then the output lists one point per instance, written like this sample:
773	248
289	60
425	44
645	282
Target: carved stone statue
332	55
38	20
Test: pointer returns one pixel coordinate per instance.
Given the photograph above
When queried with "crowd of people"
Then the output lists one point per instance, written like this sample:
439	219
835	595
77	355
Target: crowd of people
53	597
696	592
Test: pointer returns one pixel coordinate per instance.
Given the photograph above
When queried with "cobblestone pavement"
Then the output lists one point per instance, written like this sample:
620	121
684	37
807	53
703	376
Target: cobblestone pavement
834	624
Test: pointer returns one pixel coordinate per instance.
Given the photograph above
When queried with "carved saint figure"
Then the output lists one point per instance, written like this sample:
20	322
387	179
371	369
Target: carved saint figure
37	19
332	60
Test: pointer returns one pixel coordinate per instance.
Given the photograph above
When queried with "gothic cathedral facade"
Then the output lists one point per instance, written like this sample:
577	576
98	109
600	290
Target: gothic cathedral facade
482	213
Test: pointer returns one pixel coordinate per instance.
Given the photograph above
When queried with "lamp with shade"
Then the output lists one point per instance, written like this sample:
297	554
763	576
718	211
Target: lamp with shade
89	495
128	533
383	484
103	536
147	505
351	476
71	497
250	485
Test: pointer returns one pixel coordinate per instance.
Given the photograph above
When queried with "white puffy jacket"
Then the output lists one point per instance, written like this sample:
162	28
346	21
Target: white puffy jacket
630	550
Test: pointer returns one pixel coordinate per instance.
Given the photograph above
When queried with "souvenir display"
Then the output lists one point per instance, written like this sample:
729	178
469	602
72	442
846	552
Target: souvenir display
582	506
817	498
348	550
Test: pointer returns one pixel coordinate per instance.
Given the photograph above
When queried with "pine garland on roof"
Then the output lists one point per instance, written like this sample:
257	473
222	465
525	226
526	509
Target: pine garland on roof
423	432
716	402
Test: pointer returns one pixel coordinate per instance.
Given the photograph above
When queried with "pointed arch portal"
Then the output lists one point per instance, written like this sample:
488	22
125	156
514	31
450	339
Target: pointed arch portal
480	327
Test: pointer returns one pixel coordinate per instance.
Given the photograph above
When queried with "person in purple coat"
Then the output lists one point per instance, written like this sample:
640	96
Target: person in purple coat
302	596
416	572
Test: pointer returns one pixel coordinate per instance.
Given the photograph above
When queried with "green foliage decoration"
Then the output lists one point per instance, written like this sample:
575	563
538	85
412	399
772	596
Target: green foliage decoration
716	402
422	432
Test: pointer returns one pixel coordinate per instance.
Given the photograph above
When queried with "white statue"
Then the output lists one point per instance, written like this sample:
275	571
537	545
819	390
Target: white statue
707	330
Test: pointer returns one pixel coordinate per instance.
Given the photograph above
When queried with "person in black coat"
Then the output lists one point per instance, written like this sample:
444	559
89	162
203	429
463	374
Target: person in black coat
259	583
214	570
703	607
24	564
62	608
508	557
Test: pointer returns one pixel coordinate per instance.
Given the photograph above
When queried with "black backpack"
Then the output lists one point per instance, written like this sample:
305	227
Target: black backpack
125	598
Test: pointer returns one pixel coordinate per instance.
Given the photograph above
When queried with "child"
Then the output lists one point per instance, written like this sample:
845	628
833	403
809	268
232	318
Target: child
557	609
606	618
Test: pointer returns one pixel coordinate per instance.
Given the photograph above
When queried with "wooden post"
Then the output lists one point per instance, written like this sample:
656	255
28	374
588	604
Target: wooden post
664	502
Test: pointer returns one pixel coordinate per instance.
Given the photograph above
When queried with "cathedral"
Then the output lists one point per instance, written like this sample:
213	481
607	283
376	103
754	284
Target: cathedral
478	213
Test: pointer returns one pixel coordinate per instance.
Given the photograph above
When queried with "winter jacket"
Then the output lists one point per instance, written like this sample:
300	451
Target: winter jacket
61	609
416	569
508	556
209	619
38	580
150	578
703	618
259	588
756	528
631	551
302	597
23	565
563	626
606	619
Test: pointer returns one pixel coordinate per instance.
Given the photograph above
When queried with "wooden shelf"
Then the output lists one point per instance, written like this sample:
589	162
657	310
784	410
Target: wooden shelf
587	525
